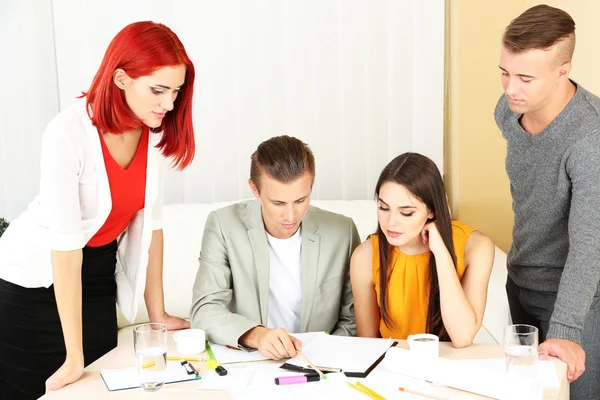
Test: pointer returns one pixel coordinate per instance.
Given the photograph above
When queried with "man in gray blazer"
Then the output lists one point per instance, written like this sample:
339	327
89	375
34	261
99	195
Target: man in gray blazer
275	265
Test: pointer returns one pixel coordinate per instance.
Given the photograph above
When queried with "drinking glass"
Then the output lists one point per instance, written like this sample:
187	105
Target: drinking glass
150	345
520	350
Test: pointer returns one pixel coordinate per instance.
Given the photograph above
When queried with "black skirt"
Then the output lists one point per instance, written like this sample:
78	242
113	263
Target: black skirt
32	346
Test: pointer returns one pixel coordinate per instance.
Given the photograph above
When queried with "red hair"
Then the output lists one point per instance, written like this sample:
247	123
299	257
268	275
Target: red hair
140	49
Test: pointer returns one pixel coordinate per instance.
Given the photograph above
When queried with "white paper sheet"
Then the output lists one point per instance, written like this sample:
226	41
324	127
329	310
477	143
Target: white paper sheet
546	370
244	376
462	375
128	378
351	354
256	381
387	384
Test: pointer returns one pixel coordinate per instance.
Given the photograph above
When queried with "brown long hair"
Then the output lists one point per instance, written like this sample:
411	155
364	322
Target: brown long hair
420	176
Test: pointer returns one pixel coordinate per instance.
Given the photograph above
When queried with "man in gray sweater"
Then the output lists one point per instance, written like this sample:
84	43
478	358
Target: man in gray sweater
552	128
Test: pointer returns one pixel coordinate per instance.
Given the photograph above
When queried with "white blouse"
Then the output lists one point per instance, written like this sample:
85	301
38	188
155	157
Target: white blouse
73	204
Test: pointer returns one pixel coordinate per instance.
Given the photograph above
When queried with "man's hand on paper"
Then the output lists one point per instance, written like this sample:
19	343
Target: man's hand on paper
272	343
568	351
69	372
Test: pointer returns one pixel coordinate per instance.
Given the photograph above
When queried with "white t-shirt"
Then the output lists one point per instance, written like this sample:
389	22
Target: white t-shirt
285	283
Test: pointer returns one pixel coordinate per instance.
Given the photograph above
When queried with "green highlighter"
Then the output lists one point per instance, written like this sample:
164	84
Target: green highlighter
212	362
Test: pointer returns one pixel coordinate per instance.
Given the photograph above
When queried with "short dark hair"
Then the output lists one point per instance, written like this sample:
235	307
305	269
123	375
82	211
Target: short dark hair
541	27
283	158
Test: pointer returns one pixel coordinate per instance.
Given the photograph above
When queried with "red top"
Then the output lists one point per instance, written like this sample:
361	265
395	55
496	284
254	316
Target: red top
127	191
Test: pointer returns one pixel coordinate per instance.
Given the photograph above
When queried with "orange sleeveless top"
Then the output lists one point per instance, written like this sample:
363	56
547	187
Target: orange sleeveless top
408	285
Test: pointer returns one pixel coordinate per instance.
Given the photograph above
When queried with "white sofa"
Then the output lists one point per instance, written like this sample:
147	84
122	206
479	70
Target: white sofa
183	228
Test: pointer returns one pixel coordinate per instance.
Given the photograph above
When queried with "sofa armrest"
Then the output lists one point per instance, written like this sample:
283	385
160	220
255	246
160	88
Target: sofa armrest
497	313
183	226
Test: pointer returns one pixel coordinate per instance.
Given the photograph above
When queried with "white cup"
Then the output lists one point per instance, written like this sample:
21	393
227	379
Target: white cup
190	341
425	344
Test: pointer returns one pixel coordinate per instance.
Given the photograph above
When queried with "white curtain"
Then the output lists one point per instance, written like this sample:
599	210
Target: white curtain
360	81
29	98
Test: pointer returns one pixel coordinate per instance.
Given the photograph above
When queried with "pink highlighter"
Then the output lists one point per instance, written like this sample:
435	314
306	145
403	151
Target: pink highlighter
290	380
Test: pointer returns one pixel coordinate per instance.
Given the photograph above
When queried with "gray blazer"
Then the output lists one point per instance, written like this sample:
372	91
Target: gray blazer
231	291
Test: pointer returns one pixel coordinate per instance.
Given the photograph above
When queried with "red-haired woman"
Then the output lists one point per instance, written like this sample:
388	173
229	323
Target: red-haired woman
95	229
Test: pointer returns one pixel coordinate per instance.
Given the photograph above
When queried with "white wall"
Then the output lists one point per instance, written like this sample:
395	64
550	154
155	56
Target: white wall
359	80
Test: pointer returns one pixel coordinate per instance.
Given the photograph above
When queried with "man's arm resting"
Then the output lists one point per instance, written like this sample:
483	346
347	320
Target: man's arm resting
346	325
581	274
212	292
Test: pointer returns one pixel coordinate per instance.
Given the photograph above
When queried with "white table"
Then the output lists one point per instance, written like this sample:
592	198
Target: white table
91	386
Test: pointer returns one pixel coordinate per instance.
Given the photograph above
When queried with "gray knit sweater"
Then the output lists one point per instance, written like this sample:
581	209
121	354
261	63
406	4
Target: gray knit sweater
555	185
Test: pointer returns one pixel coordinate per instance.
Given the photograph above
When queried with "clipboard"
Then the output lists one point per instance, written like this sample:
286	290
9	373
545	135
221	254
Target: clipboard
128	378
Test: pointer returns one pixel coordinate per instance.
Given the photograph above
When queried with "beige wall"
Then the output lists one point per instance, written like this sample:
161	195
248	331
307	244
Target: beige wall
474	149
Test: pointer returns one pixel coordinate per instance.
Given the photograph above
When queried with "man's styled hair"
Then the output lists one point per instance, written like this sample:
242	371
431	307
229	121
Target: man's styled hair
283	158
540	28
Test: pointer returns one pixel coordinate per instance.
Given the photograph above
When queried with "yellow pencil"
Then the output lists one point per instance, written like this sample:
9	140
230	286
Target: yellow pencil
184	358
374	393
148	365
363	391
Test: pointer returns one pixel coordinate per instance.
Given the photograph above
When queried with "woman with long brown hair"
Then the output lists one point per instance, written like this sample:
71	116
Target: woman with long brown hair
421	272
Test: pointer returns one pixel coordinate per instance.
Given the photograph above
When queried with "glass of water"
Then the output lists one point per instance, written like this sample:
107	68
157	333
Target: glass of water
150	345
520	350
